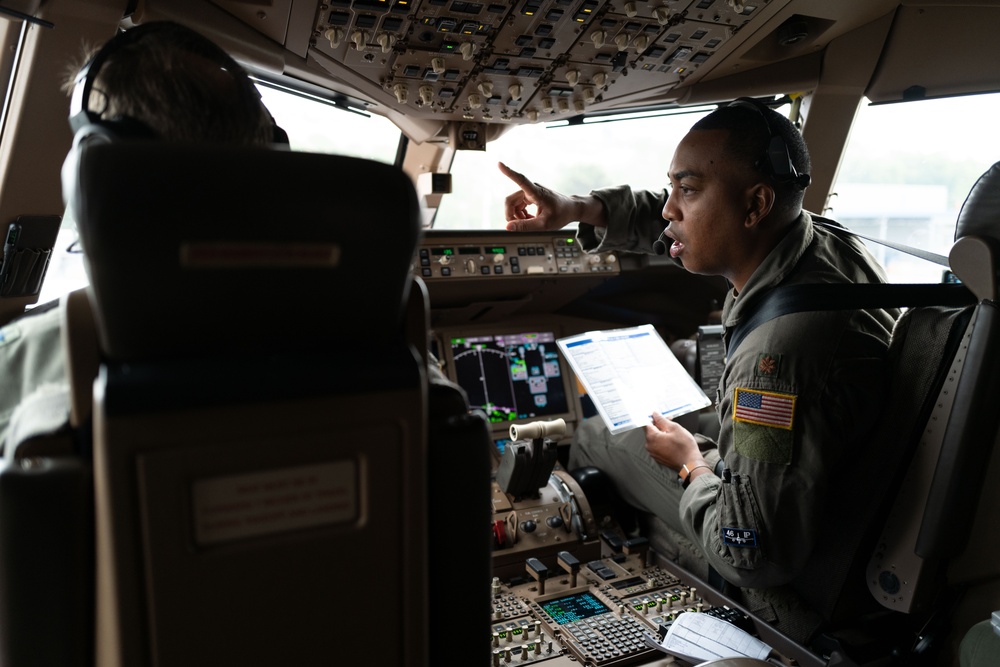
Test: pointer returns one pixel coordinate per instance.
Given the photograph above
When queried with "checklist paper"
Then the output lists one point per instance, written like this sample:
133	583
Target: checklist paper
698	637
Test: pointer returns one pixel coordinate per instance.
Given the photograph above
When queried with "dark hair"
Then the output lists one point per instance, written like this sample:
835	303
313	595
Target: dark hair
751	127
181	85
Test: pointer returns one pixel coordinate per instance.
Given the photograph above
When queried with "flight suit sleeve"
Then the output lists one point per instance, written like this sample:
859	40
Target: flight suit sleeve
794	421
634	220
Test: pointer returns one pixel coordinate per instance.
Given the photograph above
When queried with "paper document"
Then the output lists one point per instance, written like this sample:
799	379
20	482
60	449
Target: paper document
631	373
697	637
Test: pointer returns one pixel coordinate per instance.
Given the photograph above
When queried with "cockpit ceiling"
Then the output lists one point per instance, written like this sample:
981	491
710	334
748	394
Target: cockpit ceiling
521	61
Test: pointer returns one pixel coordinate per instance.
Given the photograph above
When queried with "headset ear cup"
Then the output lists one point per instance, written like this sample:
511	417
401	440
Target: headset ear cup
71	174
779	159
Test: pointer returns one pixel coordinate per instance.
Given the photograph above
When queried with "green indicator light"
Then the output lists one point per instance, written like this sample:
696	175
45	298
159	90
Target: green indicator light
570	241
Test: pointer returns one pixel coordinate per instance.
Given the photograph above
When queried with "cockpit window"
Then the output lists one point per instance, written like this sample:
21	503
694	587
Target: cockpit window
319	127
571	159
907	168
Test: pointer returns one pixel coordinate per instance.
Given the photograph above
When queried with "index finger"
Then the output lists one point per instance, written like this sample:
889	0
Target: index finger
518	178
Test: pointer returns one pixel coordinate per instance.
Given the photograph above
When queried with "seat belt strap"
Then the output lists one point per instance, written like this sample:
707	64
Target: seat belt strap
787	299
910	250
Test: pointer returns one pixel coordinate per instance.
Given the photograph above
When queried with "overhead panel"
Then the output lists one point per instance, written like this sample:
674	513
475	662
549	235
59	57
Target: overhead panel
521	60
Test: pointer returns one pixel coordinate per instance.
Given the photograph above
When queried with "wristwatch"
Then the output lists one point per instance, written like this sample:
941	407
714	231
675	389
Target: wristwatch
684	475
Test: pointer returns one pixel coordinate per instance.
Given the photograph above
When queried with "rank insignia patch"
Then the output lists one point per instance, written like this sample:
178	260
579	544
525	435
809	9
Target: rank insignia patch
768	365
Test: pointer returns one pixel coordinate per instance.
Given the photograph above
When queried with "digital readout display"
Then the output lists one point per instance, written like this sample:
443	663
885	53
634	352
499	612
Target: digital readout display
574	608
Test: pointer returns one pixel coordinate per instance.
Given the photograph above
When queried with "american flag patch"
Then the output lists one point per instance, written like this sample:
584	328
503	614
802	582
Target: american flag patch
764	407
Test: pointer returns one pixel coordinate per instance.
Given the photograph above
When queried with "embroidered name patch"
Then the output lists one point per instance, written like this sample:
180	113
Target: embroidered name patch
743	538
765	408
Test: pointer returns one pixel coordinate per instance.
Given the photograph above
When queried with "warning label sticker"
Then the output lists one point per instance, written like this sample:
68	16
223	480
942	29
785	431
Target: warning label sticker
251	505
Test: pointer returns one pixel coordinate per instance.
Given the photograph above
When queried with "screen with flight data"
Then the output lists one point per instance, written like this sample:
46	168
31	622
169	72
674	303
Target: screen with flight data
511	376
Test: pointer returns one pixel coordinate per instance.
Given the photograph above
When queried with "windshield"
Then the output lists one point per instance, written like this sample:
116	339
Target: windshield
906	171
571	159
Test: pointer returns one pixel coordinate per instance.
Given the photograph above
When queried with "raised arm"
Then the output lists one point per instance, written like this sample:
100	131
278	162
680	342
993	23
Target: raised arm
552	209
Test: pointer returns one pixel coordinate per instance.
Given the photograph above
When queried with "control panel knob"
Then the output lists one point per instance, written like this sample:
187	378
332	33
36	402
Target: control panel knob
496	658
528	526
611	259
589	95
563	105
444	260
641	42
426	95
515	90
496	639
630	9
599	37
600	79
573	77
470	266
385	40
662	15
475	101
437	65
359	38
335	35
486	88
621	40
495	586
595	259
467	49
554	521
399	90
498	258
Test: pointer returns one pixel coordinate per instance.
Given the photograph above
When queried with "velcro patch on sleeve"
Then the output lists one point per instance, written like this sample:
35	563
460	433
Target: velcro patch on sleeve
762	425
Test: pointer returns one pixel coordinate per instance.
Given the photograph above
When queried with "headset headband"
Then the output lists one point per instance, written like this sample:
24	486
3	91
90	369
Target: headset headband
777	160
80	115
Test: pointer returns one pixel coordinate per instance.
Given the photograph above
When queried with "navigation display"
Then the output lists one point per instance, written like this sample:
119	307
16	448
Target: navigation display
574	608
511	376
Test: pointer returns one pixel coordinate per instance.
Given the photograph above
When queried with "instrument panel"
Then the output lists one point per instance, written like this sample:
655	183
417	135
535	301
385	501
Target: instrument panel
465	256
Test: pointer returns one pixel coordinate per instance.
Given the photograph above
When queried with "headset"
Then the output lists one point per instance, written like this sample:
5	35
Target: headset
776	160
85	121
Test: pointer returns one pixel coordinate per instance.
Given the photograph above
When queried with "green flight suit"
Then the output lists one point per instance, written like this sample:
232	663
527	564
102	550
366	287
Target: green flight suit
31	357
795	404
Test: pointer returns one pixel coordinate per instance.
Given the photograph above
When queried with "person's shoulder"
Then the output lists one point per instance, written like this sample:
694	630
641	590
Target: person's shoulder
44	320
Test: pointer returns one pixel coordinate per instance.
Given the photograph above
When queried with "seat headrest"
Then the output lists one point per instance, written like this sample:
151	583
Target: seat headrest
207	250
980	214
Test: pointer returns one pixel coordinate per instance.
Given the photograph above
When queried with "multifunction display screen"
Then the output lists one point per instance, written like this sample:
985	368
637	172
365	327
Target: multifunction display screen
511	376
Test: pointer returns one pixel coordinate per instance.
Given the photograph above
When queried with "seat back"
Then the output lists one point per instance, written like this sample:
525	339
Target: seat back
260	415
938	533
